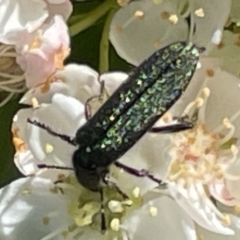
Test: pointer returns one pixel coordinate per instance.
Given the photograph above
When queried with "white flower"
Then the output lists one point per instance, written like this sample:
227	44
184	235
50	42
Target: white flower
141	27
21	17
37	33
45	49
168	158
33	208
78	81
77	207
204	161
37	209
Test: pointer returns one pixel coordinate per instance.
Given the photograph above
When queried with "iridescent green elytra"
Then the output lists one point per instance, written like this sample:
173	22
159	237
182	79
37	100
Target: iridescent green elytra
150	90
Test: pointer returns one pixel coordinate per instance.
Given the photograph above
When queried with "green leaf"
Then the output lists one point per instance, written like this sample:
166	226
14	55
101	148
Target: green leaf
8	171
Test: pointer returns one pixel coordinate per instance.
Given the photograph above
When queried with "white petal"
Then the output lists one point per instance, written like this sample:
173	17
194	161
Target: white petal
43	96
20	121
26	163
228	52
24	205
215	17
113	80
79	81
197	82
170	222
225	193
194	201
16	17
133	36
207	235
224	99
64	116
232	187
149	155
71	107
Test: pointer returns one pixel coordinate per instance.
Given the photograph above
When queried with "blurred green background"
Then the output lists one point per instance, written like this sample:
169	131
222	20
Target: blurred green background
85	50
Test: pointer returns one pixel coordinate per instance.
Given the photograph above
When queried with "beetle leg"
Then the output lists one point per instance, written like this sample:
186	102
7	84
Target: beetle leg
183	123
111	184
172	128
138	173
103	219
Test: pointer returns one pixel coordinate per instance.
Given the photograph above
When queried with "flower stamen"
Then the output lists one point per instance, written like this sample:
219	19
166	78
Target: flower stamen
231	128
115	224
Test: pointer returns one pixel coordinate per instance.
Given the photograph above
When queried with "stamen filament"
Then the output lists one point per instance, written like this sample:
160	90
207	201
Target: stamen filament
188	108
5	101
7	89
202	110
231	177
7	75
10	54
235	116
4	49
228	136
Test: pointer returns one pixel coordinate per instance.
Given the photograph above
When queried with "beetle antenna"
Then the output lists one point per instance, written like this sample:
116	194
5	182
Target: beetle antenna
54	167
63	137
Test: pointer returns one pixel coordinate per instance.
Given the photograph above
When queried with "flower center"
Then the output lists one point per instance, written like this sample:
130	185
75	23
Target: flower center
201	155
86	210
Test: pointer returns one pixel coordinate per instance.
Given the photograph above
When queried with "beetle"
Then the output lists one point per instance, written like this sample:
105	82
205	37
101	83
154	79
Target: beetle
149	91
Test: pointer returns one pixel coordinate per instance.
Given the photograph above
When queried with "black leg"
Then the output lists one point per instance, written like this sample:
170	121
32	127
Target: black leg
184	123
109	183
138	173
103	220
178	127
63	137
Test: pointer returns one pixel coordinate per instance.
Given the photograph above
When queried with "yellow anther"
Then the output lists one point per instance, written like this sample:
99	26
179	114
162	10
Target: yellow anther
227	123
122	3
114	224
167	117
237	209
199	12
115	206
127	202
153	211
48	148
226	219
34	102
206	92
139	14
173	19
26	191
136	192
234	150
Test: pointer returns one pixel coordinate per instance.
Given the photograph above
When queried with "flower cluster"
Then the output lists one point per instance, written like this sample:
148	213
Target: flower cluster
35	35
199	167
